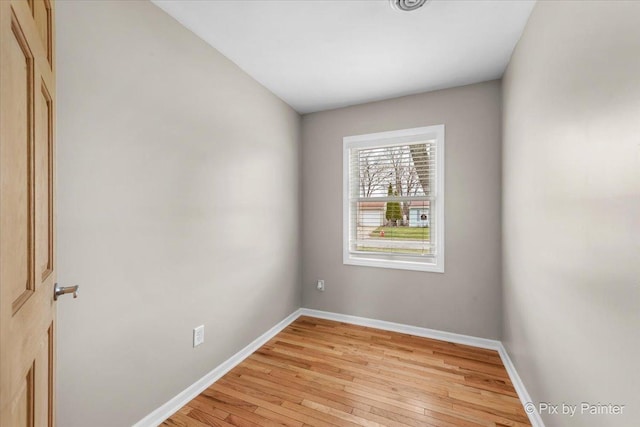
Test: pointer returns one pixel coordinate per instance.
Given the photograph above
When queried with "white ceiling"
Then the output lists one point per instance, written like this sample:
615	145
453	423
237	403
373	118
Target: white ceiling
322	54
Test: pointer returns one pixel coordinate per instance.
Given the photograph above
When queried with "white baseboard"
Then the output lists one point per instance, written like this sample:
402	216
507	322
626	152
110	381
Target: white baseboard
173	405
534	417
404	329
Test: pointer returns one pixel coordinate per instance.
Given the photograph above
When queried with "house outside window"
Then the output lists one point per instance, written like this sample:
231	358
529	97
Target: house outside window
393	199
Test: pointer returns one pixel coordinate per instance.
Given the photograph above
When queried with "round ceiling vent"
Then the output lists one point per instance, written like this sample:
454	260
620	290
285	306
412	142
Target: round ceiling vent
407	5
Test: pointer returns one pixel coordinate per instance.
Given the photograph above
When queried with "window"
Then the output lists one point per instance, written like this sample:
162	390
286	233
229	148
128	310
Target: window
394	199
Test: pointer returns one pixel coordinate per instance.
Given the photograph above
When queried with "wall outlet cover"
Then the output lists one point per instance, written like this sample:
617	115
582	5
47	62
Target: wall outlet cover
198	335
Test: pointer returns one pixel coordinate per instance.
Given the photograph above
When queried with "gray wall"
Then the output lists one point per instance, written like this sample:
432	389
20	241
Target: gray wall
571	207
178	205
467	297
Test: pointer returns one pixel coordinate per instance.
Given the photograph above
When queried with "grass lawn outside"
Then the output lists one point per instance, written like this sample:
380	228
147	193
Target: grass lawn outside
402	233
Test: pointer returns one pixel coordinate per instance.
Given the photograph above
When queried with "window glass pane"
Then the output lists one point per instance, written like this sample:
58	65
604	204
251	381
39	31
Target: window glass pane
401	170
393	227
390	190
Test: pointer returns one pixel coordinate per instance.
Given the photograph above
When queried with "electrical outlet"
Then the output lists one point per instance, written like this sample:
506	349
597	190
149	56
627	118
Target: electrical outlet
198	335
320	285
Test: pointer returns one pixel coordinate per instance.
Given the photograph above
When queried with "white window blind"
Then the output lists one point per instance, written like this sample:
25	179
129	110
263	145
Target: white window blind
392	199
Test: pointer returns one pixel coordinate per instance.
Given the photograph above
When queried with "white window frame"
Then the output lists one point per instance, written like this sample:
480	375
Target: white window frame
429	263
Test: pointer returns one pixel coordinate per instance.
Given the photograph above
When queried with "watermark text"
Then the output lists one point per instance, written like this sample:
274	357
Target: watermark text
573	409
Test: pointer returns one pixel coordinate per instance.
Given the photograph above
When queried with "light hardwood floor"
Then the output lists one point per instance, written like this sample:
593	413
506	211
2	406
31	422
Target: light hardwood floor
323	373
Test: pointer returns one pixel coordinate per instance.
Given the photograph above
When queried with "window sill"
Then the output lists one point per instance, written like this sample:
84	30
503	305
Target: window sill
363	261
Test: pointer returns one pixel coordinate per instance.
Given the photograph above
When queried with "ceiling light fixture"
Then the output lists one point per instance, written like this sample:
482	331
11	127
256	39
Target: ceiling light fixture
407	5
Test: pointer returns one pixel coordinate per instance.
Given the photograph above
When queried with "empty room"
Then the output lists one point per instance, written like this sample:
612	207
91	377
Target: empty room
316	213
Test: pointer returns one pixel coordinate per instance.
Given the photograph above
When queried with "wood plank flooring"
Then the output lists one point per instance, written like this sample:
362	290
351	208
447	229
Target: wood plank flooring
323	373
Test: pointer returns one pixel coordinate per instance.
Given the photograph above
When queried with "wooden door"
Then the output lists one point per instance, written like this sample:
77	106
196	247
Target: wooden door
27	274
